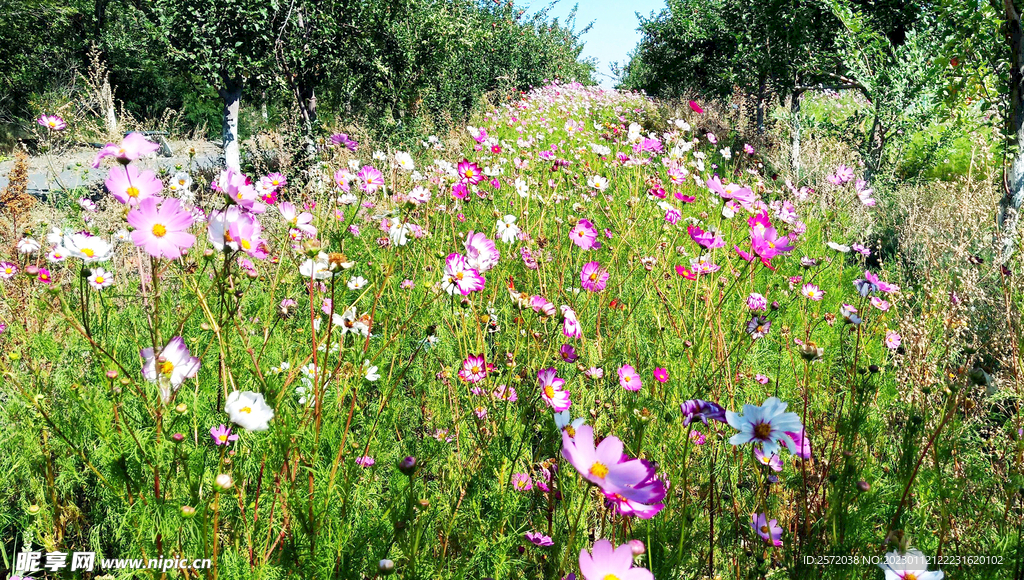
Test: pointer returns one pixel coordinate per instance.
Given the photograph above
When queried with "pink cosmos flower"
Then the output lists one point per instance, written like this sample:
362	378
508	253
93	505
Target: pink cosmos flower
44	276
245	232
695	107
812	292
769	530
522	482
593	277
481	253
551	389
583	234
541	305
879	303
605	562
570	325
660	375
273	181
629	379
161	230
761	379
222	435
52	122
132	147
239	189
459	277
8	270
892	340
757	302
474	369
773	461
301	221
365	461
686	272
371	177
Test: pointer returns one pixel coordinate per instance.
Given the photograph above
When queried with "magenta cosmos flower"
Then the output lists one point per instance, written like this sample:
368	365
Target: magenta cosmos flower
660	375
538	539
697	409
239	189
769	530
161	230
459	277
52	122
551	389
605	464
469	172
132	147
629	379
371	177
481	253
709	240
593	277
222	435
129	186
773	461
606	562
583	234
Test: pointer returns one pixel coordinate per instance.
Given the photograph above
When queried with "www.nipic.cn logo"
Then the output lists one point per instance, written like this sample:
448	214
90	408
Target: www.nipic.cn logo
31	562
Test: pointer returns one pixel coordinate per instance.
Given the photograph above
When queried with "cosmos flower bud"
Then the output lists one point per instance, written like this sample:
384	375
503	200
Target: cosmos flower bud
386	567
224	481
811	351
863	485
311	247
407	465
111	374
178	437
181	408
188	511
33	509
637	547
775	305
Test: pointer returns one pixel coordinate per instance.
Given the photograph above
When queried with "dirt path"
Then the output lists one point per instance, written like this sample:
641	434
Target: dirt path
73	169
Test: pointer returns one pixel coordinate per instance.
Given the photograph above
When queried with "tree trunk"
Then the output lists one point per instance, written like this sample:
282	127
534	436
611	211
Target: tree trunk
794	121
232	95
1010	205
760	106
263	106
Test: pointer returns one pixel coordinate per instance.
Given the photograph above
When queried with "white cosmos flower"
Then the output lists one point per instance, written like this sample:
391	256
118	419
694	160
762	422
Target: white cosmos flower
839	247
913	565
404	160
100	278
598	182
379	156
248	410
370	371
317	269
57	254
357	283
522	188
347	199
88	248
419	194
768	425
122	235
508	231
28	246
399	233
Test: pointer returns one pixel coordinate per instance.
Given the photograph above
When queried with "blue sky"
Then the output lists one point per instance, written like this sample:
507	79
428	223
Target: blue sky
614	33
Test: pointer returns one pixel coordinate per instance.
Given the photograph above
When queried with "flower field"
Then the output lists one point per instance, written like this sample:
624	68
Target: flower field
584	339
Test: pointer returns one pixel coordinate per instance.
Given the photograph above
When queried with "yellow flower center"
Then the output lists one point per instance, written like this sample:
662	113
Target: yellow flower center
246	244
181	182
570	430
626	379
549	391
88	252
100	279
166	367
460	275
132	191
610	577
593	277
52	123
910	576
246	410
762	430
276	182
764	529
223	438
599	470
159	230
475	369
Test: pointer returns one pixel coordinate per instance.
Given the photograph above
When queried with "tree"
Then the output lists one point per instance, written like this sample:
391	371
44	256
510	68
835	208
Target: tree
228	43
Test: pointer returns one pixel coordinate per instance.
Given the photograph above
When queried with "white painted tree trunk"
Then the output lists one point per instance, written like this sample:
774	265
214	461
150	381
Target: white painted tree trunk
109	117
232	95
1008	217
794	150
